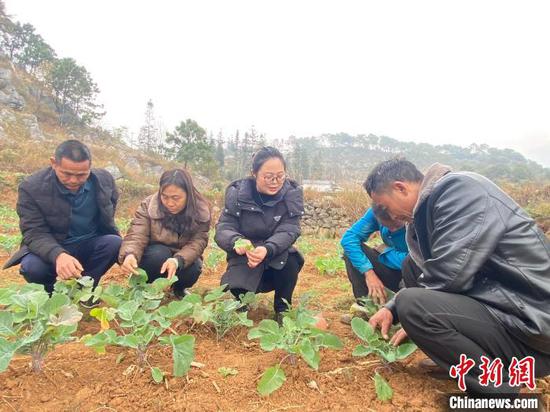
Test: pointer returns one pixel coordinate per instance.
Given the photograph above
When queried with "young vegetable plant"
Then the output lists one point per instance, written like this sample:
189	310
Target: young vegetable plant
32	322
77	290
385	351
371	307
139	321
215	257
242	243
222	312
297	336
329	265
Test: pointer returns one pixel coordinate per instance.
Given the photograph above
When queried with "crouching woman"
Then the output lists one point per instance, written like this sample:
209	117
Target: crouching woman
169	232
263	213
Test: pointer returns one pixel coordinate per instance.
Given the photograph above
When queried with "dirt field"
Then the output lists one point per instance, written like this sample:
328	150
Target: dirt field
78	379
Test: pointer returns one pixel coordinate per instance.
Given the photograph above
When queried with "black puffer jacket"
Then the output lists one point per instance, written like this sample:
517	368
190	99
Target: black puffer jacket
276	225
45	215
470	238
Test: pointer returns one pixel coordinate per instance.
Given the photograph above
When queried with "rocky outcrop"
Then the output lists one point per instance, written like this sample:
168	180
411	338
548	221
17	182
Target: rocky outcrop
8	94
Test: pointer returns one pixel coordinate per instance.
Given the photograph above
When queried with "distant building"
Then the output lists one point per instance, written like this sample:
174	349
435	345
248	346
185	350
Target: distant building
325	186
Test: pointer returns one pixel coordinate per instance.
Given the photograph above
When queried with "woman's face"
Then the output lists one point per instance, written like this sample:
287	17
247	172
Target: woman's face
271	176
173	198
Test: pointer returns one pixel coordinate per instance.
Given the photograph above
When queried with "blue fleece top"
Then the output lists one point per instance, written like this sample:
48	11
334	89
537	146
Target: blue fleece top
360	232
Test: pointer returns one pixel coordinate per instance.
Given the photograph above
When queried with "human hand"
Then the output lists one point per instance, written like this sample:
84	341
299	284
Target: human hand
256	256
67	267
129	265
377	291
382	320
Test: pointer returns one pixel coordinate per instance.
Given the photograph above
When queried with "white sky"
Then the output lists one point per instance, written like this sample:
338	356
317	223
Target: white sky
427	71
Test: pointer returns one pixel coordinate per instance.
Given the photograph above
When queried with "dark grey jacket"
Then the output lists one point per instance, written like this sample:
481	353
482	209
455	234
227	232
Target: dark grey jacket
276	225
45	215
469	237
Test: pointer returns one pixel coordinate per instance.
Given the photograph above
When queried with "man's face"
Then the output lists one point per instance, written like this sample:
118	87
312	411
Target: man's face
398	200
71	174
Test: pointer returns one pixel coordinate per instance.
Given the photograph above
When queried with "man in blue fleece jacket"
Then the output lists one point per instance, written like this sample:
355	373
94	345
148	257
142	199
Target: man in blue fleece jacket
371	270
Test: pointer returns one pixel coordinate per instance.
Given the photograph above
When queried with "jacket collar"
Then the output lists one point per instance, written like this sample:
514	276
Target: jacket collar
431	177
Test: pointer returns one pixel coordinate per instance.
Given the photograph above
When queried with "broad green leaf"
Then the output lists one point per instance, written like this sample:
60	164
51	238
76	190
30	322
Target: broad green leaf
405	350
362	329
138	279
225	372
384	391
388	354
328	340
183	352
6	324
269	342
36	333
160	284
129	341
55	303
86	282
157	375
271	380
126	310
309	354
7	350
99	340
68	315
215	294
362	350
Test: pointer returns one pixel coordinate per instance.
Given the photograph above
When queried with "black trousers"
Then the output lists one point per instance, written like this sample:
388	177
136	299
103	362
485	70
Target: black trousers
96	255
154	257
282	281
446	325
389	277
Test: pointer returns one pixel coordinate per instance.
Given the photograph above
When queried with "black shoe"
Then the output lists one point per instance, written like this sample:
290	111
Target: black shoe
89	304
180	293
243	308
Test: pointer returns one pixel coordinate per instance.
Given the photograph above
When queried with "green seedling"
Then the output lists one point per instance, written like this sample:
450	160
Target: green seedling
77	290
329	265
10	242
138	322
298	337
375	344
214	258
222	312
32	322
371	307
242	243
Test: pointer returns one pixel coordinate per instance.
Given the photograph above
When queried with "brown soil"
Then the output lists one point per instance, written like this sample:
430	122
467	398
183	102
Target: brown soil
78	379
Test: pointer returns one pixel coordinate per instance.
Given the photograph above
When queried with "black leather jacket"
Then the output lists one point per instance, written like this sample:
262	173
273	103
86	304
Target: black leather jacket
469	237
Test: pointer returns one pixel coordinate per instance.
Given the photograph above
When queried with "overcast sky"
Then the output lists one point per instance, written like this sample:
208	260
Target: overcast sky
425	71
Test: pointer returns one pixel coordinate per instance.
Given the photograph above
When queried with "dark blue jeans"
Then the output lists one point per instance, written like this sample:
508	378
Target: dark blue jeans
96	256
154	257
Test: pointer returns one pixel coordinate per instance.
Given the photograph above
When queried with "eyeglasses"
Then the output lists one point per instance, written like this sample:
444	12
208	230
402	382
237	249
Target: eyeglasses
274	178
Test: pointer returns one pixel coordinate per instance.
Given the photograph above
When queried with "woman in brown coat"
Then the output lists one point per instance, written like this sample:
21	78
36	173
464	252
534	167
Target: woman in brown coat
169	232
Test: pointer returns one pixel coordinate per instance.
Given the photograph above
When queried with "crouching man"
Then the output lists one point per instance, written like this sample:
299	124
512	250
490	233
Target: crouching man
484	287
66	215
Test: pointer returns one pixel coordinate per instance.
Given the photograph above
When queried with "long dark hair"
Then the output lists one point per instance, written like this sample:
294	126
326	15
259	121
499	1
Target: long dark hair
188	218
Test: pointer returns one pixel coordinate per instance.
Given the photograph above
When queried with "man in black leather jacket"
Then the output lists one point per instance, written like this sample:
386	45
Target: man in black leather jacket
484	289
66	215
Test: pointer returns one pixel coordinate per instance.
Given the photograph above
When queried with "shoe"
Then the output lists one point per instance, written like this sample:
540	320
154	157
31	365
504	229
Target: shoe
89	304
180	293
346	318
359	311
243	309
279	318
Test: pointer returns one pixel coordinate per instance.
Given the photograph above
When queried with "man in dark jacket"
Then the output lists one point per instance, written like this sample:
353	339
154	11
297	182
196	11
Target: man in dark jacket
66	215
484	289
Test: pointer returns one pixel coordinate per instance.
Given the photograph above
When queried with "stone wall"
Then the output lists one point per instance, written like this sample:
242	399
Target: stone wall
323	217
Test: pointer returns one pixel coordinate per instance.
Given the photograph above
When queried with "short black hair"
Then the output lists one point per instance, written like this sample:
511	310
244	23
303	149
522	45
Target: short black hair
389	171
263	155
73	150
